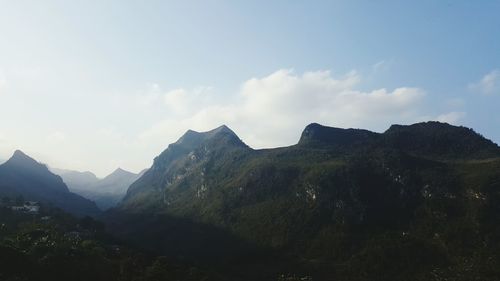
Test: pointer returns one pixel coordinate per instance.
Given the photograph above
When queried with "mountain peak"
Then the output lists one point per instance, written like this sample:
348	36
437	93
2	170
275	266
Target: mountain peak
20	155
23	175
28	168
429	125
223	135
443	139
436	129
316	133
223	128
193	138
119	172
20	158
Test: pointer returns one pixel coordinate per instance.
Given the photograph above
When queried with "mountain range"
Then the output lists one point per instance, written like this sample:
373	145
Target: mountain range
23	176
412	203
416	202
106	192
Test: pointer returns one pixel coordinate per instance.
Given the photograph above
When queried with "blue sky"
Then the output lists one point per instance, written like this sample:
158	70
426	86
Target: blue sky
93	85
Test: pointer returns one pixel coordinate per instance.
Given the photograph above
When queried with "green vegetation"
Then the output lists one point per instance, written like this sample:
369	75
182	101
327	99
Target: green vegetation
55	246
418	202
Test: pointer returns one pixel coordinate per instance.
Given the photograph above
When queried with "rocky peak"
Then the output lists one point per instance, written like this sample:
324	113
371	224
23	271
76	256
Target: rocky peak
21	160
445	140
120	171
192	139
118	174
21	156
318	134
23	166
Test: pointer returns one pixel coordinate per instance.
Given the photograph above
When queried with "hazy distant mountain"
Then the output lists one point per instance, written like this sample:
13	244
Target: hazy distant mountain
106	192
22	175
116	182
411	203
76	180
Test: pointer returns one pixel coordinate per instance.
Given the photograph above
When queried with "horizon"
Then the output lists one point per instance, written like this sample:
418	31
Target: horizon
92	85
51	168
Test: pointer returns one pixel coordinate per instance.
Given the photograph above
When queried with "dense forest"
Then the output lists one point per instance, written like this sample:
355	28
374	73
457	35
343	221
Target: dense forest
54	245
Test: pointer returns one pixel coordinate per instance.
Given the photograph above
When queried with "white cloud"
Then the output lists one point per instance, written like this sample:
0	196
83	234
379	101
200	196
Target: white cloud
489	84
273	110
454	117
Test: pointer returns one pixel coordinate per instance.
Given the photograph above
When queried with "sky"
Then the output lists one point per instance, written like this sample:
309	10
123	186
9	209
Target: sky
96	85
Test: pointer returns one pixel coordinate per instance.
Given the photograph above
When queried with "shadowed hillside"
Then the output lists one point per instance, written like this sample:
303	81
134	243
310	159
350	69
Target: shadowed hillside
413	203
23	176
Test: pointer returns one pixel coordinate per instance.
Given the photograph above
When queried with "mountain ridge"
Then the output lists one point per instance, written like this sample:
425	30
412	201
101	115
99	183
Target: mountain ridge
187	148
190	149
106	192
339	198
23	175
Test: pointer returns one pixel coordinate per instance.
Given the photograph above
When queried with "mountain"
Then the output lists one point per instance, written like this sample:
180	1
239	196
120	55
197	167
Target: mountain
440	140
117	182
106	192
74	179
22	175
317	135
417	202
182	159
